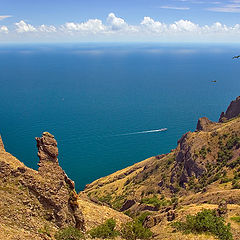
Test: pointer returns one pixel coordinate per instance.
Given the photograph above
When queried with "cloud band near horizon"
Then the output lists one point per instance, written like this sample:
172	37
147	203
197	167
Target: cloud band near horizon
116	28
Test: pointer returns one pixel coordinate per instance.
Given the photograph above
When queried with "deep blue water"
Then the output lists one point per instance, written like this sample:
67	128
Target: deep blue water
86	94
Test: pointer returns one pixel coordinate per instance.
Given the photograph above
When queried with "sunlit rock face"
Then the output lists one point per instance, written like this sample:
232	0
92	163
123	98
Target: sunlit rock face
232	111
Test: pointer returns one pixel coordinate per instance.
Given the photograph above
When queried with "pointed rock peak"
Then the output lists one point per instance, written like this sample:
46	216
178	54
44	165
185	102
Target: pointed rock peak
47	147
204	124
233	111
1	144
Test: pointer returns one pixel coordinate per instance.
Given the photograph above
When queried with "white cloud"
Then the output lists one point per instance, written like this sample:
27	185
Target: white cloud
116	23
217	28
184	26
4	16
3	29
24	27
45	28
117	29
91	26
175	8
148	24
227	8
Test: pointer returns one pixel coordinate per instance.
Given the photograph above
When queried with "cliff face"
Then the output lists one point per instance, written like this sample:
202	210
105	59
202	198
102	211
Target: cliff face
201	172
61	198
36	204
33	199
232	111
204	168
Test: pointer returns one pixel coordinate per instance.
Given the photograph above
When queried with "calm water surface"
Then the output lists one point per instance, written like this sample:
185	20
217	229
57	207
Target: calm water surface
90	95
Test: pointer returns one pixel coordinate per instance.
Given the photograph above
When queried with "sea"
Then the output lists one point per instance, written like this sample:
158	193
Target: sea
104	101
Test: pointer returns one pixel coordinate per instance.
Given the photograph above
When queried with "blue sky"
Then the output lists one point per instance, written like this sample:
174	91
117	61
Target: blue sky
146	20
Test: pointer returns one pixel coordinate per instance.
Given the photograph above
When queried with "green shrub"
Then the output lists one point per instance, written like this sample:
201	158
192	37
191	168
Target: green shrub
105	230
69	233
135	230
224	155
206	221
203	152
45	230
155	201
106	199
142	217
214	178
171	160
225	180
174	200
129	213
236	185
118	202
233	141
236	175
236	219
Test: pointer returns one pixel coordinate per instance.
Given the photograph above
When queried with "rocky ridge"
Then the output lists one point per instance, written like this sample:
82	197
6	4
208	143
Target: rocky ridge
203	169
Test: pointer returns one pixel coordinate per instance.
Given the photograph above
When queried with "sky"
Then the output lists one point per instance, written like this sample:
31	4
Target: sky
116	21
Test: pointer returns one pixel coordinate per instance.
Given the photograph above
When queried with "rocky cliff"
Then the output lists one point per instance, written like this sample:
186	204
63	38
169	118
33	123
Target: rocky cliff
232	111
36	204
201	172
203	169
28	195
58	195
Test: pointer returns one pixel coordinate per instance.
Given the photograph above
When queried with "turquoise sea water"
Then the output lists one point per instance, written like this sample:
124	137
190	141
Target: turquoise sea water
90	95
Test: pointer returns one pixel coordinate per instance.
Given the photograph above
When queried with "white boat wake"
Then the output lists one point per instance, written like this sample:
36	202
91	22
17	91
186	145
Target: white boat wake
143	132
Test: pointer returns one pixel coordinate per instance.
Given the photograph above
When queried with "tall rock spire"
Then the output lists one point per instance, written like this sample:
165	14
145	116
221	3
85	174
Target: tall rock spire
47	147
63	195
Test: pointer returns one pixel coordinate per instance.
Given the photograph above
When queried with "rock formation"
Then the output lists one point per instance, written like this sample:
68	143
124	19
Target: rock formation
50	194
203	170
185	166
232	111
62	198
204	124
35	204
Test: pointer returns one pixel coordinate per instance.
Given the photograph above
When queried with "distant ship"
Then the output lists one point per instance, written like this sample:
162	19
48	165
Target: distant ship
159	130
142	132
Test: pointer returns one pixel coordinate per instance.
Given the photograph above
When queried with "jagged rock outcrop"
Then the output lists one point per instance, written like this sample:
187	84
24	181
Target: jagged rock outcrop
49	193
63	197
204	124
222	208
152	220
127	204
35	204
185	166
233	111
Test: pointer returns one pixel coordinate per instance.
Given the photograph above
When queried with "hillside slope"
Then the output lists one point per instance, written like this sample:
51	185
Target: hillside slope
203	169
36	204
